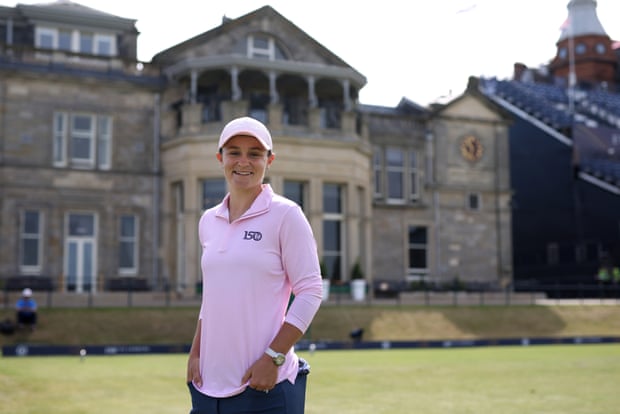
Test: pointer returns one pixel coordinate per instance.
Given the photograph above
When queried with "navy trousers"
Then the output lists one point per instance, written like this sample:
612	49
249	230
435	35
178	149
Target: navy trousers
284	398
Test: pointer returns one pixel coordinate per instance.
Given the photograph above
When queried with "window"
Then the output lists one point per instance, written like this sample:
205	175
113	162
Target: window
330	113
418	246
260	46
258	106
377	167
70	40
82	137
414	176
87	43
128	245
82	140
30	243
473	201
104	142
213	191
397	174
580	49
45	38
600	48
65	40
59	140
295	191
104	45
563	53
395	165
332	231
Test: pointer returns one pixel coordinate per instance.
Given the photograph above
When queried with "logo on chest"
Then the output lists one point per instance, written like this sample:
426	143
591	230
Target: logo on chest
252	235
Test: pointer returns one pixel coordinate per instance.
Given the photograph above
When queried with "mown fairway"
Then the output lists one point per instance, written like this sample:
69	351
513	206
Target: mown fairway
567	379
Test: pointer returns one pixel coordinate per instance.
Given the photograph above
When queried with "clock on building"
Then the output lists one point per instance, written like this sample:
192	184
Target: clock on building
471	148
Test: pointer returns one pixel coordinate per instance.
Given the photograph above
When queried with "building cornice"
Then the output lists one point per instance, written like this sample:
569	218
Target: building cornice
281	66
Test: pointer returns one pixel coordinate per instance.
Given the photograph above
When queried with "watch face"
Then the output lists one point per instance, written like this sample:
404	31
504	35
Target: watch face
279	359
471	148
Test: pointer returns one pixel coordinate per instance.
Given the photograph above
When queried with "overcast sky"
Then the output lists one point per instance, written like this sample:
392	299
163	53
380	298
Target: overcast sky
421	50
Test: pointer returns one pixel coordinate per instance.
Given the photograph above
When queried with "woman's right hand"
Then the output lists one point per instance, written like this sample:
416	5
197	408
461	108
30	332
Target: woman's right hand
193	370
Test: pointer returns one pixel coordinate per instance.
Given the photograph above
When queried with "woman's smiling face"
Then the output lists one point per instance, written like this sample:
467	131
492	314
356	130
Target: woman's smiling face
245	162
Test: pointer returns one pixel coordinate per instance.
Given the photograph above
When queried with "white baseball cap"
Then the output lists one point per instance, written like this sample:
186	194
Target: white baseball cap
246	126
27	292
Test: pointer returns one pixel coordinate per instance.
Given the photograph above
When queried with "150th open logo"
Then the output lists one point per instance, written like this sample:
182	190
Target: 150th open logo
253	235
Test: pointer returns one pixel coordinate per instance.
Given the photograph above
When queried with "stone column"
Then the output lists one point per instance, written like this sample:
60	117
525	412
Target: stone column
273	90
193	92
234	79
346	98
313	102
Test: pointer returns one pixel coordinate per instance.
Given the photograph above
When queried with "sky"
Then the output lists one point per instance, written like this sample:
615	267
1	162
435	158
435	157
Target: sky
424	51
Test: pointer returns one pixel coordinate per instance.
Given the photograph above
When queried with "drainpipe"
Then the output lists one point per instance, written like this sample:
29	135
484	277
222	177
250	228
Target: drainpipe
431	183
156	187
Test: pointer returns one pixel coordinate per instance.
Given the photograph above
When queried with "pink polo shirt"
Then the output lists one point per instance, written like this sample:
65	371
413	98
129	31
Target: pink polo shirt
249	268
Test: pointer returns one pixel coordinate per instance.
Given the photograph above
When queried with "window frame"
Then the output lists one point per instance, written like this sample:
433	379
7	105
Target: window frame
468	201
303	192
134	239
24	236
417	273
393	169
99	137
377	166
254	51
414	175
218	197
97	39
339	218
76	136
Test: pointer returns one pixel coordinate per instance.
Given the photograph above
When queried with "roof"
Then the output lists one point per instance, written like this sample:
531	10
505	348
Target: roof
229	24
66	11
582	20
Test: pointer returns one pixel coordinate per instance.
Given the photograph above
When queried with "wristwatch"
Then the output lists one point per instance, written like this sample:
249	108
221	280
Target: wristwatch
276	357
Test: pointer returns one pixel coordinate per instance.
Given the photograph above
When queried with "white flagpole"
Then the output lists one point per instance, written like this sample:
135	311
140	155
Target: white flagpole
572	77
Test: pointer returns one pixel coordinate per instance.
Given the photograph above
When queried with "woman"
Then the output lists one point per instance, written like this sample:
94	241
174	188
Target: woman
257	249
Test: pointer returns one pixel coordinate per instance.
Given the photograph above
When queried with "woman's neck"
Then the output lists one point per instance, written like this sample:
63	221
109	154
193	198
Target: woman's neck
240	201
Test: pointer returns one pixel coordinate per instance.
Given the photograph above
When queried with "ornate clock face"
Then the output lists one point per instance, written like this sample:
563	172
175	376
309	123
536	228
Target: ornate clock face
471	148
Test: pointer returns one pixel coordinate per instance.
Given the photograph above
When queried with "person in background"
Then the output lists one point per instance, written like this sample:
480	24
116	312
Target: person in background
257	249
26	308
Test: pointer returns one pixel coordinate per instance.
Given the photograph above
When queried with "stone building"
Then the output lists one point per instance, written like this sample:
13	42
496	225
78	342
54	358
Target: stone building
107	163
79	175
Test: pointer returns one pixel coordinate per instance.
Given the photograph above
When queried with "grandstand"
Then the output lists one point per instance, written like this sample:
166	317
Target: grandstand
565	159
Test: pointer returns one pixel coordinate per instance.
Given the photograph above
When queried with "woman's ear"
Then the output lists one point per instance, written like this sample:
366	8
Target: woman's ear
219	156
270	158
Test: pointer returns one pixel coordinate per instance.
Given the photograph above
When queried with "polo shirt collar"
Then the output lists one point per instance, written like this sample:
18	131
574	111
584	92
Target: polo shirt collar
259	206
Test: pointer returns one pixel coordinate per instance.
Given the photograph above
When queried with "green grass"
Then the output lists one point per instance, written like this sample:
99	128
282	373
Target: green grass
569	379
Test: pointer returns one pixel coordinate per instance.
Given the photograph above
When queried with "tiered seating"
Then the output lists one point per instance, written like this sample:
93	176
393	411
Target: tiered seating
545	102
550	104
603	105
607	170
